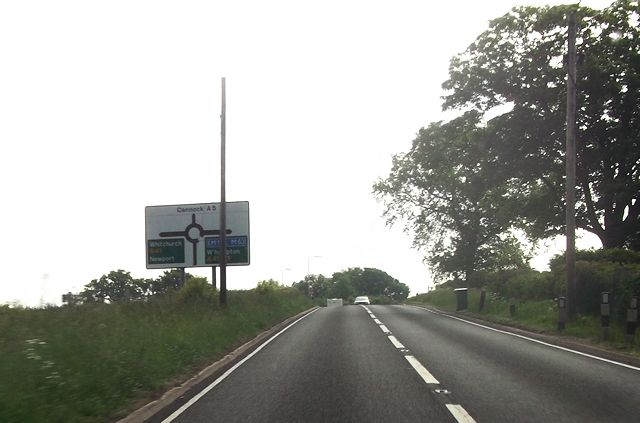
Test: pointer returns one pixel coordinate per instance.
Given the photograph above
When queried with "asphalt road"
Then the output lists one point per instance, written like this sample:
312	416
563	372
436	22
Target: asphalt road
404	364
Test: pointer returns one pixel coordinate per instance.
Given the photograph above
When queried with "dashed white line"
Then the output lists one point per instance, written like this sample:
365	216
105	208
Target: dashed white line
422	371
456	410
459	413
395	342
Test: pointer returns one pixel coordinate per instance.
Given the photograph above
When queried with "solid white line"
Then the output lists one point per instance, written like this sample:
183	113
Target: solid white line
228	372
460	413
395	342
384	329
422	371
378	322
595	357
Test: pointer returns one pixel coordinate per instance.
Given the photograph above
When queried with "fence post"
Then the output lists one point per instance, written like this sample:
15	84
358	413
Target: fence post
562	313
483	295
632	319
605	313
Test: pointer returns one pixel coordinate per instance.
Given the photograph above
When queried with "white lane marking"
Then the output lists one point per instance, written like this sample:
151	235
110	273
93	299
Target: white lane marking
372	316
460	413
395	342
378	322
228	372
595	357
422	371
384	329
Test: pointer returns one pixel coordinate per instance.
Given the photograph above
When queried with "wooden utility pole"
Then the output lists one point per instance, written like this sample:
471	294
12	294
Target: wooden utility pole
570	253
223	200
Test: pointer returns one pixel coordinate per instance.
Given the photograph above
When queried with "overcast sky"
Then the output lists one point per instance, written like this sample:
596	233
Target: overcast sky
110	106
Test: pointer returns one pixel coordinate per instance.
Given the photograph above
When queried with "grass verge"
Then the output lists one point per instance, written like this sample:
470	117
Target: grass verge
90	363
538	316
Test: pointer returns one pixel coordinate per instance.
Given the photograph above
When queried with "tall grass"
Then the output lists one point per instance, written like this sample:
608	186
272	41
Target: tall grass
85	363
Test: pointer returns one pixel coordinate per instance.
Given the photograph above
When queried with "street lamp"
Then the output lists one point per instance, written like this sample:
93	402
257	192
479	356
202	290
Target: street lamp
282	275
309	263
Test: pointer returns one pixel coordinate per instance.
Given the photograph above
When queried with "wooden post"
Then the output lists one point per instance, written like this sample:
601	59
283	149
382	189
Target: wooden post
570	253
223	200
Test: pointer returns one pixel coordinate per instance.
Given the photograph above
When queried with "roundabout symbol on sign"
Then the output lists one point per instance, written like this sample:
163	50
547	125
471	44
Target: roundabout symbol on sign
192	233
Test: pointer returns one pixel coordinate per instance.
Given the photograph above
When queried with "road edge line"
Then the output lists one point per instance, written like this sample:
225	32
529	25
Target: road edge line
218	380
537	341
152	408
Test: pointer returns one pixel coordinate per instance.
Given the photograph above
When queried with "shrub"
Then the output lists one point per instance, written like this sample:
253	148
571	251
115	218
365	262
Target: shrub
267	286
593	277
197	289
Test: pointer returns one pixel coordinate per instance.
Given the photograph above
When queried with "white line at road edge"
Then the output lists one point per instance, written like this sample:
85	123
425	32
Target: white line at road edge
595	357
228	372
460	413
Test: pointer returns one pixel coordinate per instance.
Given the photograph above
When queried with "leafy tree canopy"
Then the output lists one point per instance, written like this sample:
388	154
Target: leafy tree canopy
352	282
518	63
452	191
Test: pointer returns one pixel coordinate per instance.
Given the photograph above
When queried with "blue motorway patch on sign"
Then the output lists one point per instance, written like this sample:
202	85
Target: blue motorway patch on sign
232	241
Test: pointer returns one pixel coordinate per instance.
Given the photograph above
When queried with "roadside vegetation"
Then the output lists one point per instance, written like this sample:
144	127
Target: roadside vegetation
93	360
478	192
379	286
534	295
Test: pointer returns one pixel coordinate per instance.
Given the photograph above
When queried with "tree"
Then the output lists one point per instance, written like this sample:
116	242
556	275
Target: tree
319	284
115	286
169	280
374	282
518	62
450	190
352	282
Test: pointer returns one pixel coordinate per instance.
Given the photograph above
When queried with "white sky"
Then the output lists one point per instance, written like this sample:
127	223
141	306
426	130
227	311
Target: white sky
110	106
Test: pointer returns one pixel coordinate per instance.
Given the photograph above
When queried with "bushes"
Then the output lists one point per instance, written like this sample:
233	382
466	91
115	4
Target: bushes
522	284
616	271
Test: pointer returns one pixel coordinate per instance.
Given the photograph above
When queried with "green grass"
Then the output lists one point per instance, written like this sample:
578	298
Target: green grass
540	316
91	363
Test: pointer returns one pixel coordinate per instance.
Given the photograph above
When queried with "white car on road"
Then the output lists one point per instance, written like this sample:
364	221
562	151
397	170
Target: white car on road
361	300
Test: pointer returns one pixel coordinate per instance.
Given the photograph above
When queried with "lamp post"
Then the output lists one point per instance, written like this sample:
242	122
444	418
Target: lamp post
282	275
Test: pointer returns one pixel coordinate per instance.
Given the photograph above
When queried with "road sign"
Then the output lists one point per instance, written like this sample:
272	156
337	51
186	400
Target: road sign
188	235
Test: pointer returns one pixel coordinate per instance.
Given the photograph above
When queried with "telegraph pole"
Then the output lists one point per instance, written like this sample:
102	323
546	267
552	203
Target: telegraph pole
223	200
570	253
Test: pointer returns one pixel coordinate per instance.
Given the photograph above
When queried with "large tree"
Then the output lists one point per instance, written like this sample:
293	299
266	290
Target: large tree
518	63
450	189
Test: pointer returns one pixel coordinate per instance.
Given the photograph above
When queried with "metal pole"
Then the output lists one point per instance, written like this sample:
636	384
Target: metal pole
214	282
570	254
223	200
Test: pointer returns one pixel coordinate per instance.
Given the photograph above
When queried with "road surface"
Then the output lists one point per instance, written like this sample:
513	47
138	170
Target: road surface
406	364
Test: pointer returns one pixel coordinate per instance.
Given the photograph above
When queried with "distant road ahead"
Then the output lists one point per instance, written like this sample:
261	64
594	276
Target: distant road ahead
403	364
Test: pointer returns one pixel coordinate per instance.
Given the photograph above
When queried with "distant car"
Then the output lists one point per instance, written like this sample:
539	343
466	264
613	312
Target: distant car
362	300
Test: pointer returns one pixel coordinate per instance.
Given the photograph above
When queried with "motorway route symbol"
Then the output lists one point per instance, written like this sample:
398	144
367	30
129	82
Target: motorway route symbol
189	235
